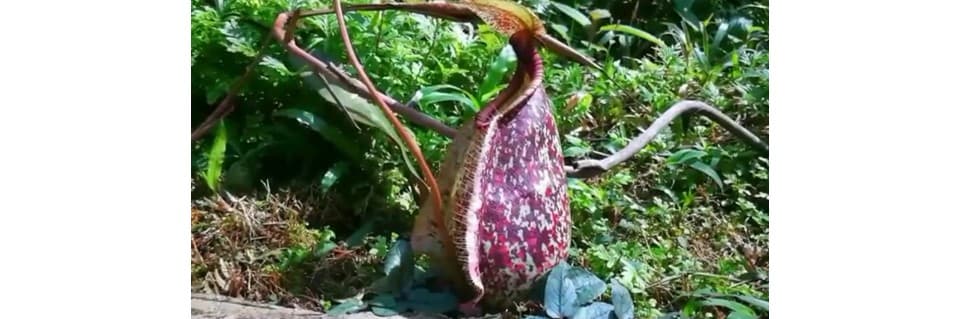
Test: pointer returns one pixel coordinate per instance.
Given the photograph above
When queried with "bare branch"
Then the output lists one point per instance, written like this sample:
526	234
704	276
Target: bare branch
593	167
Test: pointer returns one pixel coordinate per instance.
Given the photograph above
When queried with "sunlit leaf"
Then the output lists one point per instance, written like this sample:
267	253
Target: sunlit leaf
447	93
574	14
634	32
599	14
215	157
497	70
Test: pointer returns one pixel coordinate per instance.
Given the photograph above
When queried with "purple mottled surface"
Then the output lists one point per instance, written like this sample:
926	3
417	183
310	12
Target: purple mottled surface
524	221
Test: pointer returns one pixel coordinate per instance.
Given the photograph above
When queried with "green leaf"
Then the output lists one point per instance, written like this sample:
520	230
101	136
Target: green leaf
754	301
368	114
684	9
333	175
588	285
496	71
599	14
740	315
399	266
332	134
596	310
685	156
422	300
634	32
386	301
562	30
384	311
347	306
356	239
560	294
729	304
574	14
275	65
436	94
216	156
709	171
622	301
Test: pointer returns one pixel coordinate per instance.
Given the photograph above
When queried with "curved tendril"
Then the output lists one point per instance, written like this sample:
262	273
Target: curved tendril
404	134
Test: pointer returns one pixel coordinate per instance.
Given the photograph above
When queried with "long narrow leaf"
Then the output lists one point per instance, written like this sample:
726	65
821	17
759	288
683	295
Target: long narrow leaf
332	134
368	114
634	32
216	156
574	14
709	171
495	73
440	93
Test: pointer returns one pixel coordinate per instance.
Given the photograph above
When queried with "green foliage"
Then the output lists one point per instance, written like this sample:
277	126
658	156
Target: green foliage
401	290
570	292
668	226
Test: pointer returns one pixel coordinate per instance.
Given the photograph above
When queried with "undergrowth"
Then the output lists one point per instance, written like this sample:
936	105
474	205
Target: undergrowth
296	203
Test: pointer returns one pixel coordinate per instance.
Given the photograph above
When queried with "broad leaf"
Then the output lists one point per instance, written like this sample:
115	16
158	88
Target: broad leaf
347	306
560	294
333	175
422	300
589	287
596	310
366	113
331	133
684	9
384	306
574	14
729	304
634	32
740	315
754	301
599	14
622	301
709	171
384	311
436	94
399	266
685	156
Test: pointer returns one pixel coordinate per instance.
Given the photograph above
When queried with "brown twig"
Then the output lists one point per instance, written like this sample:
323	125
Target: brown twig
431	182
226	105
339	77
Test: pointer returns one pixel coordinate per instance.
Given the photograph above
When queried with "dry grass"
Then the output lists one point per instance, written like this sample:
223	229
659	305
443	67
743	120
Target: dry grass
238	250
